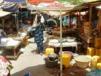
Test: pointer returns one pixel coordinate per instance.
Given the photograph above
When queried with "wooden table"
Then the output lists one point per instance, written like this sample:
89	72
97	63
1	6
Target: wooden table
10	47
56	43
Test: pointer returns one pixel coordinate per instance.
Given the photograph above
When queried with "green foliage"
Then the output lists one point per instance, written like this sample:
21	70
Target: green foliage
72	1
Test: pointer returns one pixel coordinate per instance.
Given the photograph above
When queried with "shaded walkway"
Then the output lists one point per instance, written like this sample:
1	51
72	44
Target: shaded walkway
29	62
38	70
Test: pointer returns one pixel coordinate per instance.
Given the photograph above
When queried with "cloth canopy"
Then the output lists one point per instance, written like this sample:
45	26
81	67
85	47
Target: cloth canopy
56	4
35	2
51	6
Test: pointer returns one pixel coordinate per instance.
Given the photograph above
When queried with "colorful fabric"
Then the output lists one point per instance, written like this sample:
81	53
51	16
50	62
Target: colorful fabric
38	33
96	72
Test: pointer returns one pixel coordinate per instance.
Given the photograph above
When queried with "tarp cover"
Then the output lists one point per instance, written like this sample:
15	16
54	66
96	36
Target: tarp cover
16	1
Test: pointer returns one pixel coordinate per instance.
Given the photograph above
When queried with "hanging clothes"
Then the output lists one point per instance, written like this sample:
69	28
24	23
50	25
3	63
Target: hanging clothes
65	21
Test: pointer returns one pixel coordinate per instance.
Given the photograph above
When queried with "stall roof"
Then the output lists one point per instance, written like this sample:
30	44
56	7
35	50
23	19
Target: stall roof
85	6
53	6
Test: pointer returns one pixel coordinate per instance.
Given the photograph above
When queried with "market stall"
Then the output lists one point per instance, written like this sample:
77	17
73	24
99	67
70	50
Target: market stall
66	62
10	46
3	14
55	6
90	56
67	42
11	28
12	8
87	20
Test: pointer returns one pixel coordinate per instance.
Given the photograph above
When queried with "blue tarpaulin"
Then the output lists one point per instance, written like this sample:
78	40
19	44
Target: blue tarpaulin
96	72
12	8
16	1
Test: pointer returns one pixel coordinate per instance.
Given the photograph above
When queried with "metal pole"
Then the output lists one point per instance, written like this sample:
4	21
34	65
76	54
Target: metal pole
61	68
26	2
17	23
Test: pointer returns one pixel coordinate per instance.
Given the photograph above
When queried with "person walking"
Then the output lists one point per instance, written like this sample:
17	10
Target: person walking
38	34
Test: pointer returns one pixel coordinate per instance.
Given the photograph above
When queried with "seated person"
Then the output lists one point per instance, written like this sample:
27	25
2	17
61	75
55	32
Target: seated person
2	33
87	28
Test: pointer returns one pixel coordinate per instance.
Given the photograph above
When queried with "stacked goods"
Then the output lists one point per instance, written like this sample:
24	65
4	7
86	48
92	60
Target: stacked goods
98	42
99	23
56	31
90	51
98	65
98	52
94	61
98	46
87	30
49	51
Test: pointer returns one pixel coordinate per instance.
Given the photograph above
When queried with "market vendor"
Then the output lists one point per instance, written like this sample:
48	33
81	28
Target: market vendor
2	33
38	33
98	28
87	28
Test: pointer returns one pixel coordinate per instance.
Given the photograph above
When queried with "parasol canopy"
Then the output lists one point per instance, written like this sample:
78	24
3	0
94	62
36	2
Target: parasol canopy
53	6
35	2
50	6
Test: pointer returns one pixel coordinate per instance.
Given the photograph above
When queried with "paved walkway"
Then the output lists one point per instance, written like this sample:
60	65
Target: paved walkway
29	62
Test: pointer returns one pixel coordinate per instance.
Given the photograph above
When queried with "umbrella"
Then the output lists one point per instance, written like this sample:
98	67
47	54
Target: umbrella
50	6
35	2
54	6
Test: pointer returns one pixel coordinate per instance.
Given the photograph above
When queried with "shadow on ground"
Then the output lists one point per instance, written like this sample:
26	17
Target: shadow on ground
39	70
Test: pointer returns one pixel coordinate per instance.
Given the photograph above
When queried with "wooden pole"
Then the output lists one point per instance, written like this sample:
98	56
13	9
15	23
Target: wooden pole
90	14
61	68
69	19
79	17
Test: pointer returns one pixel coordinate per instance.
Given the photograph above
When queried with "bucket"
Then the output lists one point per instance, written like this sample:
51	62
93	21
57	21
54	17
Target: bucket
66	58
98	52
51	61
94	61
97	42
98	65
90	51
49	51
